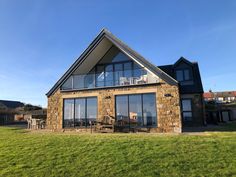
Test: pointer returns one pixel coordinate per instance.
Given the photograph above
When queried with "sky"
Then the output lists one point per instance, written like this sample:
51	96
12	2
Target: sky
40	39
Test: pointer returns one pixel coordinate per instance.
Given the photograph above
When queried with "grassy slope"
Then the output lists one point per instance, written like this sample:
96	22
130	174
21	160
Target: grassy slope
36	154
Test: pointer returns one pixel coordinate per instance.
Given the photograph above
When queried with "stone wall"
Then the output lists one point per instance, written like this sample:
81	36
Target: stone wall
54	111
167	96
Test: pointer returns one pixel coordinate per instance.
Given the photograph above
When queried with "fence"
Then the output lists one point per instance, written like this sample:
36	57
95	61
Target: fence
6	119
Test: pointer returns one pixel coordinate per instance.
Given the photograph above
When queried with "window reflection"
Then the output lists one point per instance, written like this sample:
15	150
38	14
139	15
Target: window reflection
109	75
100	76
118	73
79	112
137	110
149	110
69	112
114	69
122	110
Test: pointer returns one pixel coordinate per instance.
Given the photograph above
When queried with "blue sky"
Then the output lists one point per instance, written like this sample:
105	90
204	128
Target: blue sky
40	39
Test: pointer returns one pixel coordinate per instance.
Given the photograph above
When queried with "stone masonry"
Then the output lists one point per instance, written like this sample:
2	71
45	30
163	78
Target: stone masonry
167	101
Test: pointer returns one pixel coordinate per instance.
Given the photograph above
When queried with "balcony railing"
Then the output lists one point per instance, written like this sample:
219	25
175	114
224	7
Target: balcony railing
109	79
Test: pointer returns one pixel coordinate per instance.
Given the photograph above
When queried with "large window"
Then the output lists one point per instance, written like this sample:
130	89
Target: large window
68	85
122	111
114	69
100	76
138	110
135	110
122	73
79	112
109	75
149	104
187	109
69	112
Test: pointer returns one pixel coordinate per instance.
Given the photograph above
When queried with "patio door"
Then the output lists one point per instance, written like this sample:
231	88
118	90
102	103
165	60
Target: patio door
79	112
136	110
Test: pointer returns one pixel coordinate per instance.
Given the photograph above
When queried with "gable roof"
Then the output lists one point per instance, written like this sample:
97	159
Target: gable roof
124	48
181	60
197	86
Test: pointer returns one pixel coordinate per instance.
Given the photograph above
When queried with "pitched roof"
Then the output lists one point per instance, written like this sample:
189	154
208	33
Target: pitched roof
196	87
124	48
182	59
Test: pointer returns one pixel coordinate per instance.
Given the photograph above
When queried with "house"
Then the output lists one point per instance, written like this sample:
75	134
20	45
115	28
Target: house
191	91
220	97
220	106
111	80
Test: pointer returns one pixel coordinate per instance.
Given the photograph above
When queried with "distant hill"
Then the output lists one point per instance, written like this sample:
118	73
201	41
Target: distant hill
10	104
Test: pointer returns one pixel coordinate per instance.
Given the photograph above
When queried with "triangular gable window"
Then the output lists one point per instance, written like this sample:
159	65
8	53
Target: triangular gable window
114	55
113	69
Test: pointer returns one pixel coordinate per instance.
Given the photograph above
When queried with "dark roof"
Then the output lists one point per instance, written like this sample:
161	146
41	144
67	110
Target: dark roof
11	104
196	87
124	48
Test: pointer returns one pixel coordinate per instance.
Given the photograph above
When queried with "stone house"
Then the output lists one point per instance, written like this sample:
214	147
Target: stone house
110	79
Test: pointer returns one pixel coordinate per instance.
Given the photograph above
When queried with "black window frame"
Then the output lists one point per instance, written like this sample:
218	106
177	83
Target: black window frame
183	73
128	95
94	71
86	122
182	111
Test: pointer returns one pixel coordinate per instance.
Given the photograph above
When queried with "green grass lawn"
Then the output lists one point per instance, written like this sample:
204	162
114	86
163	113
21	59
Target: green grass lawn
24	153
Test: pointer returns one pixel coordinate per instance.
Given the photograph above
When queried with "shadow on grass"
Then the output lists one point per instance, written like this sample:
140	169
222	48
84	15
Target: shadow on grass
222	127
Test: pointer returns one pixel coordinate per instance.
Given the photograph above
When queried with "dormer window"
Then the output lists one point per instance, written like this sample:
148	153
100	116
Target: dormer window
183	75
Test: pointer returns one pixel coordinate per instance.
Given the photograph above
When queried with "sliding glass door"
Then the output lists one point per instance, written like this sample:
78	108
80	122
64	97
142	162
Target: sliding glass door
137	110
122	116
69	112
149	110
79	112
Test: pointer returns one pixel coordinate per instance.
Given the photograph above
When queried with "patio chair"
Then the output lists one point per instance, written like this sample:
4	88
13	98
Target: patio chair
29	123
124	81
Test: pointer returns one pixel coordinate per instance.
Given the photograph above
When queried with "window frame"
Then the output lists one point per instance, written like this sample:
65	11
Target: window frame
74	98
183	74
128	98
182	111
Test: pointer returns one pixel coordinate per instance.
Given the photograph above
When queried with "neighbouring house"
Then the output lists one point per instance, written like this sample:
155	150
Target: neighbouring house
111	80
220	106
35	114
220	97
